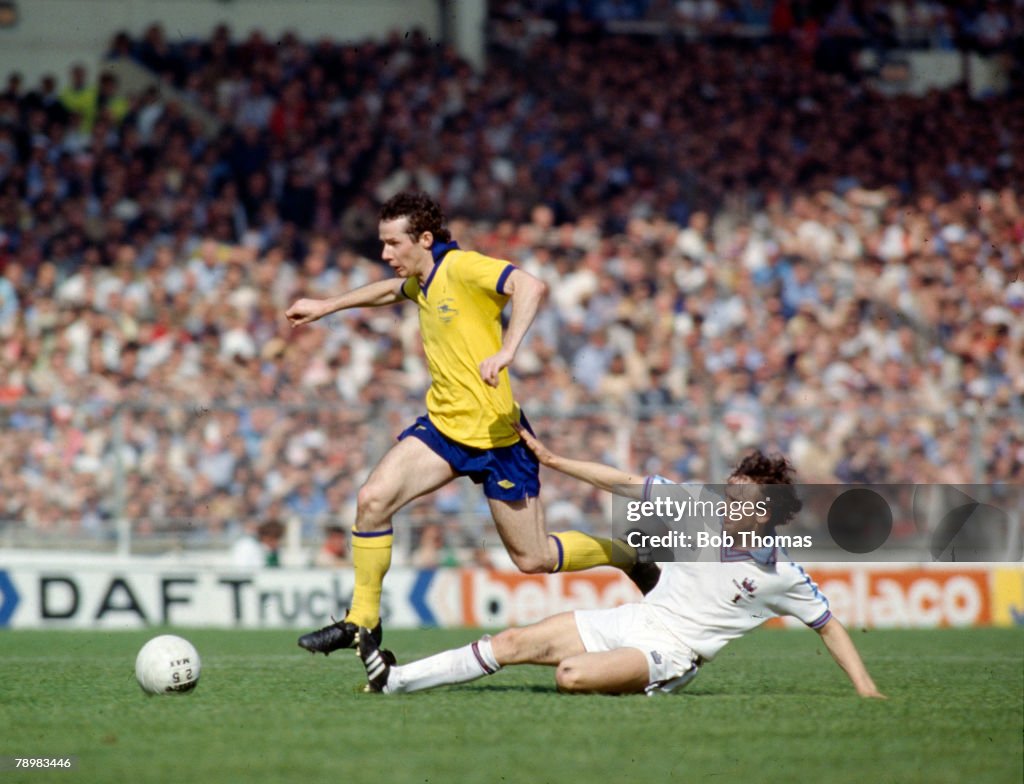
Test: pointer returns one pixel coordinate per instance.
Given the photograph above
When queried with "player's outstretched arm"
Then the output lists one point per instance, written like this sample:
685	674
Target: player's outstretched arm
526	293
372	295
599	475
839	644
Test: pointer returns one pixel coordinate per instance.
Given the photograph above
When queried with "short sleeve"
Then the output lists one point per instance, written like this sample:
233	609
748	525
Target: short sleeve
481	271
803	600
411	288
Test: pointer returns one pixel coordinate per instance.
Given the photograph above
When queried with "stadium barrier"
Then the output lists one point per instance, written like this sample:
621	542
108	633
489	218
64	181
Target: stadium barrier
135	594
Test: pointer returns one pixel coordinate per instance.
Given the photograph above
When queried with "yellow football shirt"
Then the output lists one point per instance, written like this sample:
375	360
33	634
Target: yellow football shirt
460	322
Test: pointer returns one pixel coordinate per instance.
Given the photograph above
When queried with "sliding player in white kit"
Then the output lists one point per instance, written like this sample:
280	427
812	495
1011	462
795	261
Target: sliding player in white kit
658	644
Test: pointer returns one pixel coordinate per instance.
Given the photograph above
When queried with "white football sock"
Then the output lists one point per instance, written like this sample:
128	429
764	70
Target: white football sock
459	665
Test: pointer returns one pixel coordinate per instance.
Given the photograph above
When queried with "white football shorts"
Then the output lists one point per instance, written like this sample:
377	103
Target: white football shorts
670	663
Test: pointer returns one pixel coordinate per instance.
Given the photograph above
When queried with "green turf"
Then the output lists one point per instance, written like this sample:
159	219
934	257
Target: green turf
772	707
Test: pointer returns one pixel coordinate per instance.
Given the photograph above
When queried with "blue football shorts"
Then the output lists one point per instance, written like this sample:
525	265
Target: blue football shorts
508	473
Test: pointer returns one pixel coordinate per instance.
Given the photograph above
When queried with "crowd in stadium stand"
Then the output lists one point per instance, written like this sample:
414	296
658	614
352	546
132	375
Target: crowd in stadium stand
742	248
981	25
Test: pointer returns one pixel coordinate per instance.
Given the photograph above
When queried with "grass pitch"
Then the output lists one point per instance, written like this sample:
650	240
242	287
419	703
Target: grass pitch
772	707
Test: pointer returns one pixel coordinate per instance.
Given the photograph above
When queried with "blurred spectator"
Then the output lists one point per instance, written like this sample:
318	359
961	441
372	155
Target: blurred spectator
432	550
259	548
79	97
334	551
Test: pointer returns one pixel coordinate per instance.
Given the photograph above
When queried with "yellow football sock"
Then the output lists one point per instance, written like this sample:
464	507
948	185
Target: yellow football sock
371	557
582	551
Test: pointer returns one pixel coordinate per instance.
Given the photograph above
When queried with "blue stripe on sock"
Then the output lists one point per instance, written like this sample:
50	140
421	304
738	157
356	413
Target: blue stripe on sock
371	534
561	552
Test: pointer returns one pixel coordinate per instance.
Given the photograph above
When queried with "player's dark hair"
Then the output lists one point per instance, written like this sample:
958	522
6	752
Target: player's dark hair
775	470
423	212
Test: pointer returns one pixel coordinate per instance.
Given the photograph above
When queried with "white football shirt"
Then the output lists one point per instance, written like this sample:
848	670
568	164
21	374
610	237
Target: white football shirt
728	592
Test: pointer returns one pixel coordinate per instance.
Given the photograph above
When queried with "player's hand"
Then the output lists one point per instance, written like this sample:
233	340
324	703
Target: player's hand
873	694
490	368
544	455
304	311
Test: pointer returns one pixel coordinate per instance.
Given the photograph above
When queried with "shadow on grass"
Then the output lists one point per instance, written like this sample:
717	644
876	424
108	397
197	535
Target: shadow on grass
511	687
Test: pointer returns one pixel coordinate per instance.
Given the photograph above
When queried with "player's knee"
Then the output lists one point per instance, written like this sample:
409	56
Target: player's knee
372	504
529	563
568	678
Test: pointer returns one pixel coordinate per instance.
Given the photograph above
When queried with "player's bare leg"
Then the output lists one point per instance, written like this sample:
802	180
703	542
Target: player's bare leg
408	470
546	642
556	641
524	533
522	530
622	671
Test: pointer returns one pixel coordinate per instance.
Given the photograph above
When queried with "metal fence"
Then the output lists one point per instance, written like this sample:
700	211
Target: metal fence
139	477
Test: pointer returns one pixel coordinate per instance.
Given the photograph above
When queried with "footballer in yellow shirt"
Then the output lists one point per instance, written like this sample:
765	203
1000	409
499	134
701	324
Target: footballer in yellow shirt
460	306
469	428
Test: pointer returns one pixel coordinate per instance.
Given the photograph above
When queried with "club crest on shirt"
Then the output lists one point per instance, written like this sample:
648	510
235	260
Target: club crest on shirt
446	310
746	589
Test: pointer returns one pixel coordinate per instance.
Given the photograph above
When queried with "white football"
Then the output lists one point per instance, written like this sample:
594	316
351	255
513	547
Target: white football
167	664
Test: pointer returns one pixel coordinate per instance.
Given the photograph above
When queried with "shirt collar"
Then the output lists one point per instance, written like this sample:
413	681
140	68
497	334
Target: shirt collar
439	249
766	556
